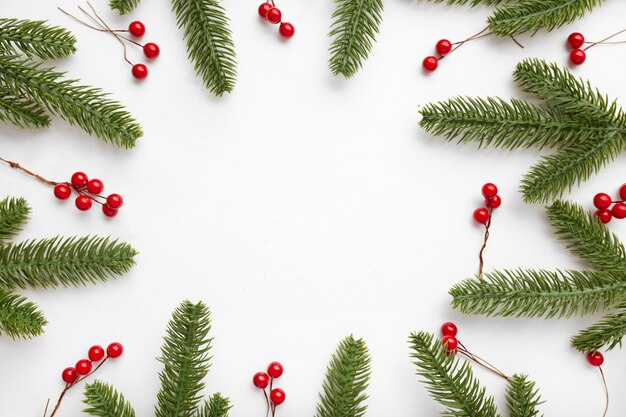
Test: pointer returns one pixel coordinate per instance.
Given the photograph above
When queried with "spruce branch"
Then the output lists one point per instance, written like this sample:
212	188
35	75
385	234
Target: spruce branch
450	381
185	358
19	318
522	397
13	214
209	42
123	6
22	111
607	332
34	38
216	406
347	378
64	262
103	400
354	28
87	107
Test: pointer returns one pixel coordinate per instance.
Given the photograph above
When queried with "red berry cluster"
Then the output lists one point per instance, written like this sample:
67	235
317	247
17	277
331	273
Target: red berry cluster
603	203
443	47
264	379
595	358
492	201
88	192
84	366
272	14
448	337
575	41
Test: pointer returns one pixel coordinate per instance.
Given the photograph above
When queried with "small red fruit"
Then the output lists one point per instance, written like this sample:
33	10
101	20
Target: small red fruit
275	369
619	211
151	50
62	191
95	186
576	40
286	30
115	201
604	215
96	353
83	202
274	15
602	201
261	380
430	63
451	343
481	215
577	56
595	358
443	47
140	71
622	192
277	396
263	9
489	190
137	28
493	202
79	179
83	366
108	211
449	329
69	375
115	349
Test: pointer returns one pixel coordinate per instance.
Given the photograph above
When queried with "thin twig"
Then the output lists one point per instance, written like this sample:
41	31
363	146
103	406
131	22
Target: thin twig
606	392
29	172
605	39
482	249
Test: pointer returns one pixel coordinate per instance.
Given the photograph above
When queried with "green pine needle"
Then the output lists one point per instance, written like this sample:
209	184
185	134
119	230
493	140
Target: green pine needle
347	378
354	28
123	6
22	111
471	3
104	401
86	107
34	38
19	318
607	332
216	406
209	42
13	214
63	262
522	397
185	358
450	381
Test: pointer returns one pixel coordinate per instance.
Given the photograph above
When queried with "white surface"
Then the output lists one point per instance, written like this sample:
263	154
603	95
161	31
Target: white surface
300	208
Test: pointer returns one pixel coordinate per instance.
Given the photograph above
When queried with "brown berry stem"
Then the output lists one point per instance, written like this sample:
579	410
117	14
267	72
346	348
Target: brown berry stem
481	262
482	362
606	392
29	172
604	41
474	37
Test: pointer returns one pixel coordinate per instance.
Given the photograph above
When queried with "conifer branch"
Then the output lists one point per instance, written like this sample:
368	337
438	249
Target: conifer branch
34	38
216	406
63	262
607	332
347	378
522	397
450	381
13	214
105	401
123	6
84	106
19	318
354	28
22	111
185	358
209	42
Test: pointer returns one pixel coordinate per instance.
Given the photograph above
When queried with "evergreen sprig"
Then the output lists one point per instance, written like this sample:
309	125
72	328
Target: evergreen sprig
608	332
347	378
103	400
587	129
123	6
22	111
13	214
354	28
522	397
19	318
209	42
216	406
34	38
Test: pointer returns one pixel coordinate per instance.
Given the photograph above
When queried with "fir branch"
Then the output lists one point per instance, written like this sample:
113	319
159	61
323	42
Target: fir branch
63	262
209	42
450	381
607	332
22	112
105	401
123	6
538	293
185	358
13	214
354	28
216	406
84	106
586	237
471	3
522	397
514	18
19	318
34	38
347	378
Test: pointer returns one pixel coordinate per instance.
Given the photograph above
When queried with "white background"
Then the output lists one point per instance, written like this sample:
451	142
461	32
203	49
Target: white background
301	208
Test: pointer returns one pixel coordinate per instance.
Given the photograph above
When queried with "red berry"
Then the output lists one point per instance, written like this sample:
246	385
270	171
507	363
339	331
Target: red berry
115	349
83	202
576	40
619	211
577	56
602	201
493	202
489	190
261	380
137	28
62	191
286	30
481	215
604	215
443	47
79	179
83	366
274	15
115	201
275	369
449	329
622	192
151	50
263	9
69	375
595	358
140	71
277	396
95	186
96	353
108	211
451	343
430	63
